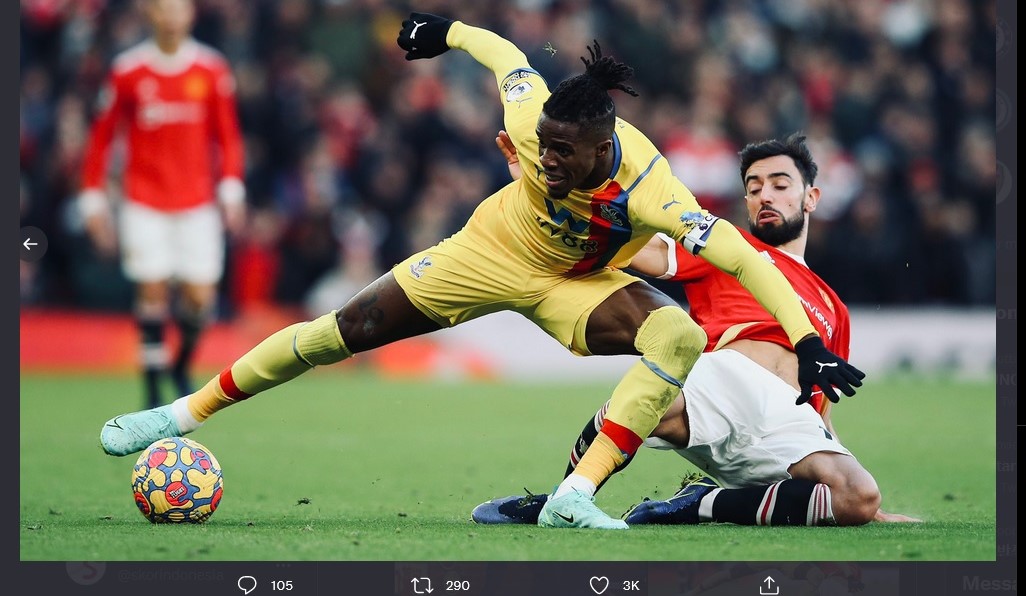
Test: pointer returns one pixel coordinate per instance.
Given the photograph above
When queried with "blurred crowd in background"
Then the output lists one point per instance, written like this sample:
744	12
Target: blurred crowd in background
357	158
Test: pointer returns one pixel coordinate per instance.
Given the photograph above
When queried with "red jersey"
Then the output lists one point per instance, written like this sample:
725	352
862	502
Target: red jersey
717	301
179	115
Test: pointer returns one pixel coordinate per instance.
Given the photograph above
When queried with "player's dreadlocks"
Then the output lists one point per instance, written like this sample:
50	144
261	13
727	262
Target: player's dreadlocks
583	99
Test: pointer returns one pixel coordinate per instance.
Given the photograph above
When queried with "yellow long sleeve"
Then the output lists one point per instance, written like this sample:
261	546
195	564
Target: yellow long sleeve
727	249
492	51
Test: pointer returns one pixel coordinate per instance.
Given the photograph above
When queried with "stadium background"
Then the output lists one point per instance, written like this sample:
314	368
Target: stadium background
356	158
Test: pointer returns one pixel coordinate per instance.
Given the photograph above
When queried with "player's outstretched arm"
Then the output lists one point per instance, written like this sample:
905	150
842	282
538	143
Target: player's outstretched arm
725	248
654	259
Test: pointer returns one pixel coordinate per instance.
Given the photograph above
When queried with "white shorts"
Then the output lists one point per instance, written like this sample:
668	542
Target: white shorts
745	427
186	246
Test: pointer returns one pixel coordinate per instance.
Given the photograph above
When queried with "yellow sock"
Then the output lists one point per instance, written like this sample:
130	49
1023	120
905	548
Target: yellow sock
283	356
600	459
670	343
207	400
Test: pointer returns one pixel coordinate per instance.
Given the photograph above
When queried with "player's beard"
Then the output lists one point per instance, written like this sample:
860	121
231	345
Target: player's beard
783	232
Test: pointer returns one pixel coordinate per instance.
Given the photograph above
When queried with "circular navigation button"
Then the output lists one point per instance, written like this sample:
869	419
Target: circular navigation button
33	244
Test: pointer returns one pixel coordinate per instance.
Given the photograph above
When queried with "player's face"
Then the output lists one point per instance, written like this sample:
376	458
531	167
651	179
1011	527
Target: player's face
775	195
570	157
171	19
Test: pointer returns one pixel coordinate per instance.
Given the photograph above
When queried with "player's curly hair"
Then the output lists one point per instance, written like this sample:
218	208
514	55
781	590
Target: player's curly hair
583	99
793	146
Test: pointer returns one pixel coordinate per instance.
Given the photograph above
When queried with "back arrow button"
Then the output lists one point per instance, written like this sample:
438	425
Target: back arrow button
33	244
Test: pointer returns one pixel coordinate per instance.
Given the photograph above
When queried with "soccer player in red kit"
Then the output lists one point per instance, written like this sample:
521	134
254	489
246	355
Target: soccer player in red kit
776	462
173	99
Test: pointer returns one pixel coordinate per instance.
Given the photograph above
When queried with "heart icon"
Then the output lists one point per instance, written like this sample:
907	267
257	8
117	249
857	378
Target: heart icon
599	584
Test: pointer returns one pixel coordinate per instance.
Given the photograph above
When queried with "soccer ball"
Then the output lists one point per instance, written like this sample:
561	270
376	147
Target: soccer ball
177	480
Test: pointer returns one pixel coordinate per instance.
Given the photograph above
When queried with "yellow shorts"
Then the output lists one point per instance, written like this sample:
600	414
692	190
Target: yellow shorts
463	278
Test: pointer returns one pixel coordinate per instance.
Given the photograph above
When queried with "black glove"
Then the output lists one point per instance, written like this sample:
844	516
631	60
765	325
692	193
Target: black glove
818	366
423	35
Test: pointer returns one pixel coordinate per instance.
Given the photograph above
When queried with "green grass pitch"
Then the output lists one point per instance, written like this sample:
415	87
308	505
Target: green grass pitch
339	465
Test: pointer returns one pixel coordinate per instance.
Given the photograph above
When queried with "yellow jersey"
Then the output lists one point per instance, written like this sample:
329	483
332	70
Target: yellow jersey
605	226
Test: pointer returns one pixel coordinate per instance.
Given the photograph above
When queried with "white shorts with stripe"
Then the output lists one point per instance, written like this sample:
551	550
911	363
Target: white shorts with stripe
745	427
186	246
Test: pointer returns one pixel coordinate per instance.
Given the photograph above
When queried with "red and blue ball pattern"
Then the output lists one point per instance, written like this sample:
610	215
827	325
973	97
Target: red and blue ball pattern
177	480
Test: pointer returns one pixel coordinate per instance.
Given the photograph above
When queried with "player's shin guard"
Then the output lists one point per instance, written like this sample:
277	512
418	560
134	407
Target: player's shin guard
670	343
794	502
281	357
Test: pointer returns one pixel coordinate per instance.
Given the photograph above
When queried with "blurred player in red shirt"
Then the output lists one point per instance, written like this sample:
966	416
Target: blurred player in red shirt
173	100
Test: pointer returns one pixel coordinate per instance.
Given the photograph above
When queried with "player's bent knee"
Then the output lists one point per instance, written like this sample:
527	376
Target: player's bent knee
856	500
670	339
856	513
868	498
319	342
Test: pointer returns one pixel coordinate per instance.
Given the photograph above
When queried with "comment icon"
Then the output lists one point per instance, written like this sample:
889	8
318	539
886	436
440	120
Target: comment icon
247	583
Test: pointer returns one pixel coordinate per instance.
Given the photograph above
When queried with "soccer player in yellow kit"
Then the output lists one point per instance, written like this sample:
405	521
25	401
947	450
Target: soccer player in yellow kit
548	246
